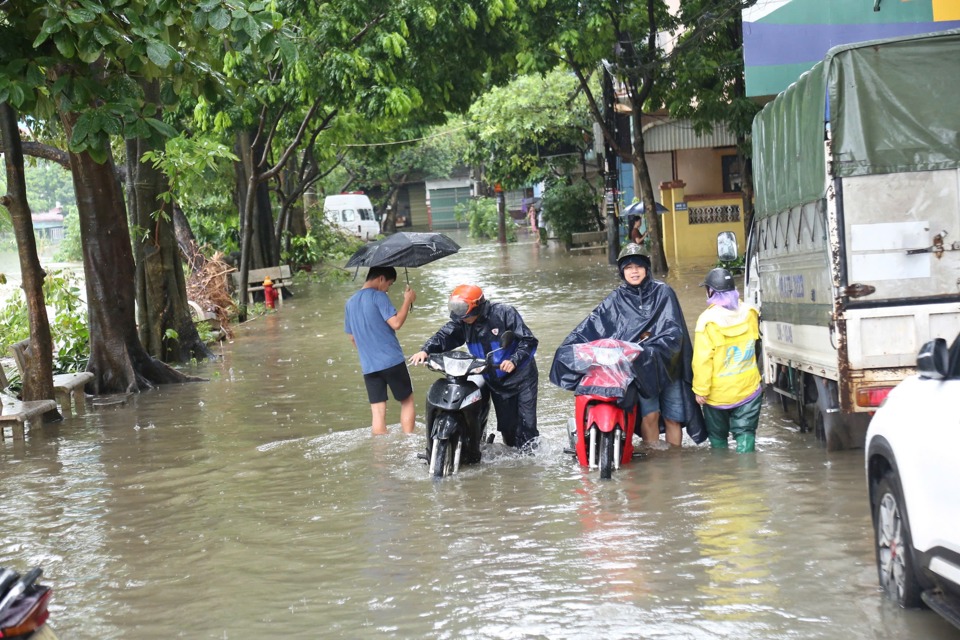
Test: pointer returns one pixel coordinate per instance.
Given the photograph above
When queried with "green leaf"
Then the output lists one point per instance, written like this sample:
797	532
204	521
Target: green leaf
158	54
251	27
80	16
219	19
64	42
35	75
89	52
82	128
162	127
288	51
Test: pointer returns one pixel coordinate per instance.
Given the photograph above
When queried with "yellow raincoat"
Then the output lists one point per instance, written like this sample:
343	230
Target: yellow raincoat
724	360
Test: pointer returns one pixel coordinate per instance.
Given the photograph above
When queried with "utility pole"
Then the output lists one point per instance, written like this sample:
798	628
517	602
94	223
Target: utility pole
501	215
611	195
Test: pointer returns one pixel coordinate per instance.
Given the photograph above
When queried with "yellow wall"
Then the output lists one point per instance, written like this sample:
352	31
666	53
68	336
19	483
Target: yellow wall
695	242
702	169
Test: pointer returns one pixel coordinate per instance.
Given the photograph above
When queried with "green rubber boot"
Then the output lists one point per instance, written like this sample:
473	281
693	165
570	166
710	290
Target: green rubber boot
718	443
745	442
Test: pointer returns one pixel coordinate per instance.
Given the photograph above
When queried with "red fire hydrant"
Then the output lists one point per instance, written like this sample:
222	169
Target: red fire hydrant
270	294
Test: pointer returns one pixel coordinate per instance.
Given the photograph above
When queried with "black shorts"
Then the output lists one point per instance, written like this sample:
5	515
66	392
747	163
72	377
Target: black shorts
396	377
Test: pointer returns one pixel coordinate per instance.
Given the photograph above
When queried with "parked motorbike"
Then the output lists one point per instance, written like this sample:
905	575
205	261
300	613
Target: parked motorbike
23	606
601	431
457	408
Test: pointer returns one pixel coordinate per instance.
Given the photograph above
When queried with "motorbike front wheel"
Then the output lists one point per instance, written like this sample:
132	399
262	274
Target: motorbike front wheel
441	459
606	454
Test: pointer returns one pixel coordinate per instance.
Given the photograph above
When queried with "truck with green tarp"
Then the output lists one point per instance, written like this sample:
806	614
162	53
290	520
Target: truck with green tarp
853	255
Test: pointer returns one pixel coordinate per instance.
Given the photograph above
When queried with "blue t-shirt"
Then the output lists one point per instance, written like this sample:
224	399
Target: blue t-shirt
365	318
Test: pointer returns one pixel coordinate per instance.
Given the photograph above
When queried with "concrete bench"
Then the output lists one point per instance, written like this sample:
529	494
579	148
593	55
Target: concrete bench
588	241
281	277
67	387
15	413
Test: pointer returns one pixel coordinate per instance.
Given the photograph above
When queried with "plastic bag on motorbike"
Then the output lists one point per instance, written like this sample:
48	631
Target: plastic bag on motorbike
604	366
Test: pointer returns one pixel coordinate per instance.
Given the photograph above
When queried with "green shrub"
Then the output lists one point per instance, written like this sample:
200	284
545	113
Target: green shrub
68	326
70	249
483	219
569	209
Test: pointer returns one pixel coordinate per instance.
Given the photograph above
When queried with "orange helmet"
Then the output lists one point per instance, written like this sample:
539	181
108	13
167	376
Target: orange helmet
465	302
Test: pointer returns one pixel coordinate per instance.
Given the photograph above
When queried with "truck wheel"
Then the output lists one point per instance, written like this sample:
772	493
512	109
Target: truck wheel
827	427
894	545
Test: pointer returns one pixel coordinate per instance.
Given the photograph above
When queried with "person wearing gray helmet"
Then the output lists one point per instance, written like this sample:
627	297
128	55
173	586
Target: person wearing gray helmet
726	379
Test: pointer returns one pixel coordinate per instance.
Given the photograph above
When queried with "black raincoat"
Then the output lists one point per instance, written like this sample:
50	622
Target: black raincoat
514	394
649	314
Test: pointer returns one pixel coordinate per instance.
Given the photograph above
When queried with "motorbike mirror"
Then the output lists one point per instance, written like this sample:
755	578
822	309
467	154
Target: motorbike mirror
727	246
507	339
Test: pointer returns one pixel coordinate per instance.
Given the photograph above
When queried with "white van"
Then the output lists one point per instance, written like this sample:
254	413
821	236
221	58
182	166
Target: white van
352	212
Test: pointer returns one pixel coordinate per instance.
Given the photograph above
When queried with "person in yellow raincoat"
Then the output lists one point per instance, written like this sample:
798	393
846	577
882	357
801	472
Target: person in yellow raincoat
726	379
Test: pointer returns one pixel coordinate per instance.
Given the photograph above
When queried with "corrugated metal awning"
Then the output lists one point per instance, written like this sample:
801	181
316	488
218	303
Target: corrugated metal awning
674	135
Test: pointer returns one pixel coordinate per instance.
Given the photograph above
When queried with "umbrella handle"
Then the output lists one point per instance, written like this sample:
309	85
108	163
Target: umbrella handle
406	275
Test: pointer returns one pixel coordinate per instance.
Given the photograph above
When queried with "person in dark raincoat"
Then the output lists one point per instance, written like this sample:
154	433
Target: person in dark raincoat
645	311
479	324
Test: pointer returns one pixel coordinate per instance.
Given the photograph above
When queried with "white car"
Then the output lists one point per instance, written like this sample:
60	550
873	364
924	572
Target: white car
913	477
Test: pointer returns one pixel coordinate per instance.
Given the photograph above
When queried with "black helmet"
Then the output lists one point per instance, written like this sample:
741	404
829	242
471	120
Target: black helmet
633	253
719	279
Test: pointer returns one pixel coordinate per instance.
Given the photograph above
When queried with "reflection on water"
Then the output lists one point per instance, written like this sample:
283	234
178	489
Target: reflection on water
258	505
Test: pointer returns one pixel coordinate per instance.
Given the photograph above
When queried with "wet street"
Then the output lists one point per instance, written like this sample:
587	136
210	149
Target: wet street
257	505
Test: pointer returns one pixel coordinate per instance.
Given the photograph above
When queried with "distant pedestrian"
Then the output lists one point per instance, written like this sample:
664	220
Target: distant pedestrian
638	235
532	216
726	379
371	321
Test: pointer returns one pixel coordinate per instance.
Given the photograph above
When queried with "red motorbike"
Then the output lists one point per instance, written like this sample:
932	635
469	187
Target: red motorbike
601	433
23	606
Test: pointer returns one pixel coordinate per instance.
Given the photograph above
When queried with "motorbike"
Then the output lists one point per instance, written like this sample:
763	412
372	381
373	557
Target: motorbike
601	431
457	408
23	606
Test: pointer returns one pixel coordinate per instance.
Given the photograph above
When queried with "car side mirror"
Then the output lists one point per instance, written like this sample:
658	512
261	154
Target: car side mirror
933	361
727	246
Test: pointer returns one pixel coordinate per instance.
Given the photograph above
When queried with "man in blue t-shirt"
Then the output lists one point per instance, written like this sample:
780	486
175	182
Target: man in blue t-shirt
372	321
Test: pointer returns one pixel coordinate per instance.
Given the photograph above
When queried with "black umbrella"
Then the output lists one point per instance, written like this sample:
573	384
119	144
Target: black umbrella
404	249
637	209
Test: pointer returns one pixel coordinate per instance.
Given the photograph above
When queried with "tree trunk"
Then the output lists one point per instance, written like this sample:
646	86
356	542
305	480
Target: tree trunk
187	242
165	325
258	246
658	258
118	360
388	217
38	373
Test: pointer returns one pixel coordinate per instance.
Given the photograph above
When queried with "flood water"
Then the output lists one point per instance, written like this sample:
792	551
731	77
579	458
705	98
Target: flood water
258	504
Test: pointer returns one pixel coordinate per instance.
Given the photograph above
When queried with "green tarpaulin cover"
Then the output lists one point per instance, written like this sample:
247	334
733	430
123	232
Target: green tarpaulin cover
894	106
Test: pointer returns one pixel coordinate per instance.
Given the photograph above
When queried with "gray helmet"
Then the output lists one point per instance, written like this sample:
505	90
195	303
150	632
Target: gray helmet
633	253
719	279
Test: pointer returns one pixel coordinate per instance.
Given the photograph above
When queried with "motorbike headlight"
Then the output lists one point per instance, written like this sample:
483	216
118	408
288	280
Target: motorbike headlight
457	366
607	357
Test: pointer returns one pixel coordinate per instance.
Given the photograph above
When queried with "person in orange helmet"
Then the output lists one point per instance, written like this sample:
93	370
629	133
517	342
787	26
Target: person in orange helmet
479	324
